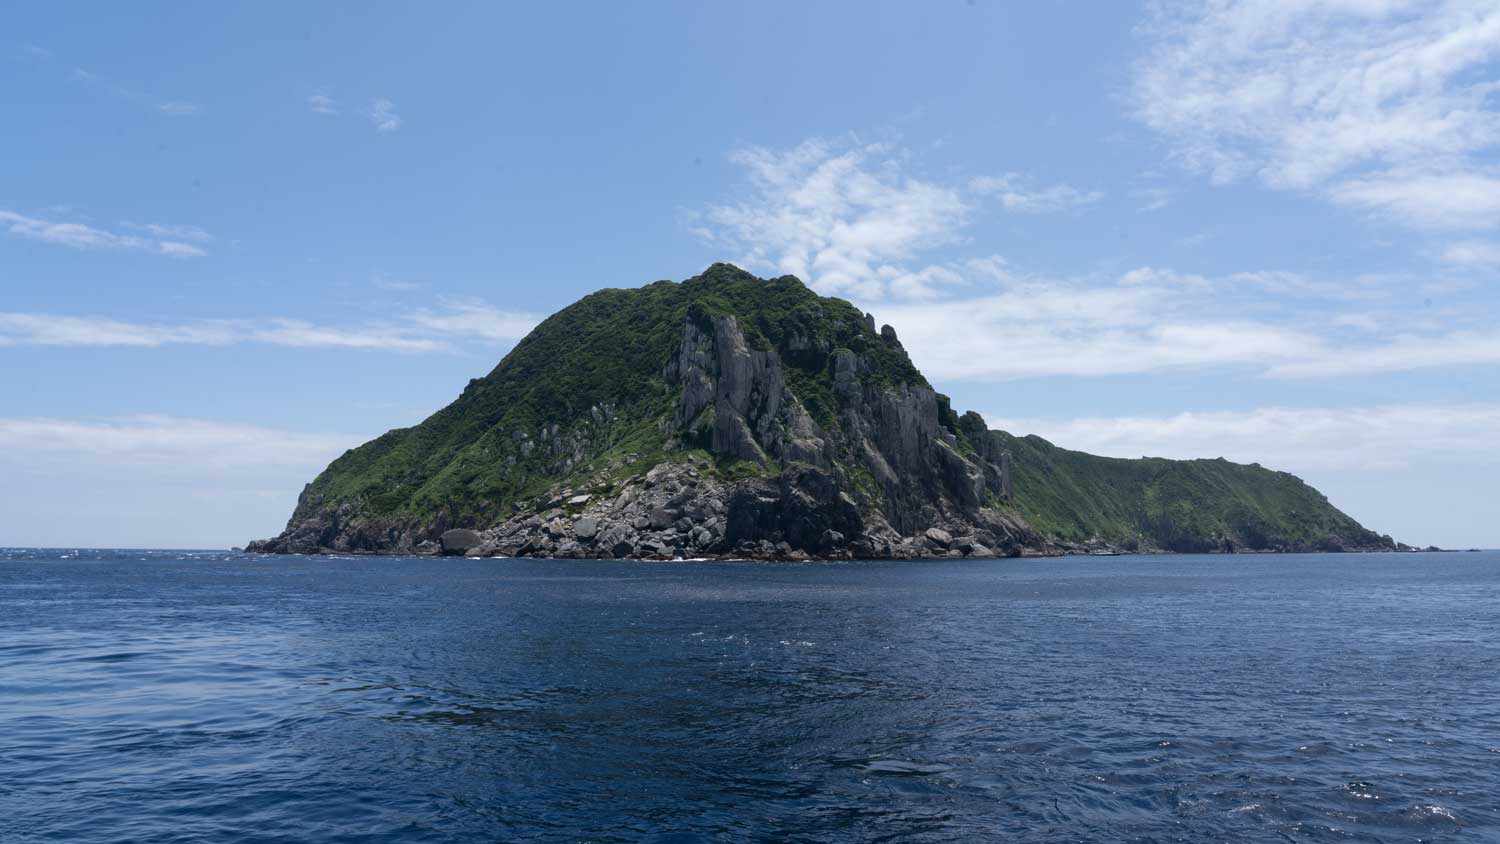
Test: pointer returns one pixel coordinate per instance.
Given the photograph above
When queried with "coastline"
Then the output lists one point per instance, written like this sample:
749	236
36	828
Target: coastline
799	557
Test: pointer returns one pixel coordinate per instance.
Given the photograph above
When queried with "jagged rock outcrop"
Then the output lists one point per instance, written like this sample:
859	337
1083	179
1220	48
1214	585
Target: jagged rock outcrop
733	401
730	416
738	397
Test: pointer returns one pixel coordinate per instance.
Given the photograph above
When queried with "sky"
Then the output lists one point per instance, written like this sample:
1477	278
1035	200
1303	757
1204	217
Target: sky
237	240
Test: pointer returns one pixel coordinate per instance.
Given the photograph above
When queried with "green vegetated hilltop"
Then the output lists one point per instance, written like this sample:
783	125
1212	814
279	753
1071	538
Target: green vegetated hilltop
1176	505
729	415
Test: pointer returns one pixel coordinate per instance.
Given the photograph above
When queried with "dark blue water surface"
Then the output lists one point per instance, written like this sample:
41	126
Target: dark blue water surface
174	697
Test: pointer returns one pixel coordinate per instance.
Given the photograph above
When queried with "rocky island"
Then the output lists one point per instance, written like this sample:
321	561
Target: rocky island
739	417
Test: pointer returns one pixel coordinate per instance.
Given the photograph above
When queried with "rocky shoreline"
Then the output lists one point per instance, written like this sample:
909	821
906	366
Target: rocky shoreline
684	511
457	549
681	511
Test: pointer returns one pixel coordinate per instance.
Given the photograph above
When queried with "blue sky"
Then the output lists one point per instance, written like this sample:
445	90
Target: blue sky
236	240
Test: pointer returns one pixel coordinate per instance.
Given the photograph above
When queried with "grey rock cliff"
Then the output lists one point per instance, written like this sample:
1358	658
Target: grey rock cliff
921	496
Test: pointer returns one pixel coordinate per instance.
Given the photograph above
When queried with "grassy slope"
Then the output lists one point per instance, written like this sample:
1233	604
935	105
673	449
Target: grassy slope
1176	504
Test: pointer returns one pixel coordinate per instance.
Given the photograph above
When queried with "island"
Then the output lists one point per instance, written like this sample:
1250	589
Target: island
730	416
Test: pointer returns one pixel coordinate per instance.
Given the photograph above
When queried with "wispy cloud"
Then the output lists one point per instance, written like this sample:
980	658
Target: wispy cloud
37	329
423	331
170	107
1016	192
1477	253
1385	105
384	282
1428	198
157	481
844	217
1151	319
1153	198
1156	276
382	113
168	444
1406	352
303	334
472	318
1383	437
193	234
850	218
320	102
82	236
1044	328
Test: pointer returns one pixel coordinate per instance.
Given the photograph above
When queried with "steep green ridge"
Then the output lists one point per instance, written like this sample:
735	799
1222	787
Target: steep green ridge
605	351
1176	505
586	402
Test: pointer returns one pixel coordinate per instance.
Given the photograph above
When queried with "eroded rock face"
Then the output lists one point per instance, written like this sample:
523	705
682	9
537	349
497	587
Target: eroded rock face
733	401
738	396
679	510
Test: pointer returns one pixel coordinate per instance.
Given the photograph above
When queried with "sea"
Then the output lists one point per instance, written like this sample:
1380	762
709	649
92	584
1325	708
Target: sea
205	696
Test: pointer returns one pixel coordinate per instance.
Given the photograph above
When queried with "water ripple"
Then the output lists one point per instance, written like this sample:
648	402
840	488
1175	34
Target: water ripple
215	697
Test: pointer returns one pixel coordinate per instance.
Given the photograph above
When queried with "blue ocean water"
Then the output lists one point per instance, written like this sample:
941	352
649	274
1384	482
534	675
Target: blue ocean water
213	697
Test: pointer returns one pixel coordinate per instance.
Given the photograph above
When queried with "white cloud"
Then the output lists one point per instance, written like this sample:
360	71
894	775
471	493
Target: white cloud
423	331
1153	319
1285	283
1404	353
1162	277
192	234
177	249
320	102
1387	105
1456	200
849	218
177	109
1016	193
63	330
845	218
382	113
76	235
1390	436
81	236
1477	253
1057	328
471	318
301	334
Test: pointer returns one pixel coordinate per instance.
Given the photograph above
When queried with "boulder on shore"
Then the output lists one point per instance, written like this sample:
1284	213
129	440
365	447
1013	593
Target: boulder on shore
459	540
